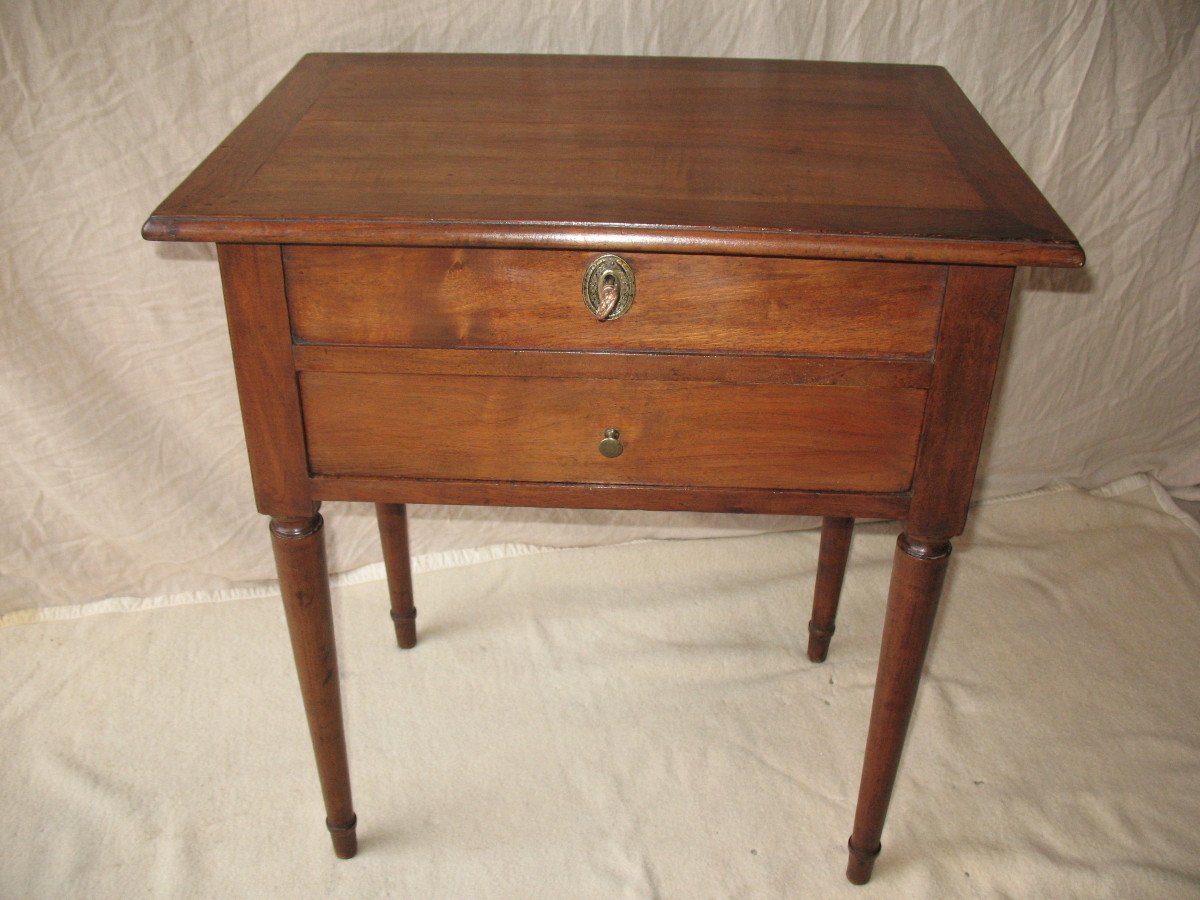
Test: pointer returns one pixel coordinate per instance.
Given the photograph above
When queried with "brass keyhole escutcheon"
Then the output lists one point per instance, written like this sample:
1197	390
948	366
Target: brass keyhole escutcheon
608	287
611	446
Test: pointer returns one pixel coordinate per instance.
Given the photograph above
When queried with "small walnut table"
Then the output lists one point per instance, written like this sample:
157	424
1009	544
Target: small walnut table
671	284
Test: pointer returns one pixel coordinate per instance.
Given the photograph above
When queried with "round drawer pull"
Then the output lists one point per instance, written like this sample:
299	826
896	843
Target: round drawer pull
608	287
611	446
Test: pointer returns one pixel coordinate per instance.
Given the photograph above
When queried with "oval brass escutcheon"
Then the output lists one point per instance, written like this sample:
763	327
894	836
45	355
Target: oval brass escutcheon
608	287
611	446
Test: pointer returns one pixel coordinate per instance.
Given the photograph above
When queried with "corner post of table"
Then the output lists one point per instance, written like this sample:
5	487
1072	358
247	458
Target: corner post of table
260	335
974	310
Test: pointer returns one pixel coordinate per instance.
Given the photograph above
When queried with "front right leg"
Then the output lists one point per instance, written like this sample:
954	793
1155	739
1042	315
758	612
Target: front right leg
918	570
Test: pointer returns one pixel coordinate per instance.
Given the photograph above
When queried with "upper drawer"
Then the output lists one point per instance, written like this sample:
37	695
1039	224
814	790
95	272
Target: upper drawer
423	297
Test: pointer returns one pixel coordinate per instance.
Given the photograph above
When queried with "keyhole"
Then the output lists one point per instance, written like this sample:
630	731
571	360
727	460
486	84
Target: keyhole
608	294
609	291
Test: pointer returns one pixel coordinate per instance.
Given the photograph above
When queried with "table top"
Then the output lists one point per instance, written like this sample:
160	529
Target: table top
834	160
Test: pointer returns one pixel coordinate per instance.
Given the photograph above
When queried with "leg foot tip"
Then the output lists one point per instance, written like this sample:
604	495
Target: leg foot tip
406	639
818	642
858	869
345	838
406	628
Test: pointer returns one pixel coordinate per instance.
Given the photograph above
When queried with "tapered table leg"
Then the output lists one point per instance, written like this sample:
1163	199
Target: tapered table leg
917	575
299	546
831	570
393	533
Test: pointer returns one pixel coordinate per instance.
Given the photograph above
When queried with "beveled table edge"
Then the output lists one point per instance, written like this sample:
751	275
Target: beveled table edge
649	239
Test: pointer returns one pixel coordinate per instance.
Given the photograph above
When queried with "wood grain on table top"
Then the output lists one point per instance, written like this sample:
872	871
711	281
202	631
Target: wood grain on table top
836	160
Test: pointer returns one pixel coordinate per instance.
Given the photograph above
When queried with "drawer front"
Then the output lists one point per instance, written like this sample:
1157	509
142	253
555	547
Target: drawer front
704	434
533	299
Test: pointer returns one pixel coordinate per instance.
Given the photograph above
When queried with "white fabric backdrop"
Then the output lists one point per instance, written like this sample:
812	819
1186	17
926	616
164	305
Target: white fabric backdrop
122	463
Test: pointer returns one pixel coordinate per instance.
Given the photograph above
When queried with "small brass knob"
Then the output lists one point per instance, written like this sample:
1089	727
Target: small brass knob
608	287
611	446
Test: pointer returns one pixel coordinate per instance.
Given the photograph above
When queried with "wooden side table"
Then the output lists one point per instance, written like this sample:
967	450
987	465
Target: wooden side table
624	283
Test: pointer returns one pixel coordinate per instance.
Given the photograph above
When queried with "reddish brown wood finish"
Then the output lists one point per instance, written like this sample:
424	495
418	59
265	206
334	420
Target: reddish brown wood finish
609	496
986	163
675	433
299	545
973	316
238	157
252	277
393	534
917	574
831	569
533	300
431	215
618	366
684	155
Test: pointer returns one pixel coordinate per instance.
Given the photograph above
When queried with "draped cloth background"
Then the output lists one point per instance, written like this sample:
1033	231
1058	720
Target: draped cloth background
122	462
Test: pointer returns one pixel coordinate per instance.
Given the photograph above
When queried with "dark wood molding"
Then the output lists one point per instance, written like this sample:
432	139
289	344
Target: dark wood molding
608	496
719	368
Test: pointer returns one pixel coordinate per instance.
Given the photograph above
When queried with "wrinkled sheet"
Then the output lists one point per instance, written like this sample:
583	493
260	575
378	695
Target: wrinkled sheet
122	462
637	721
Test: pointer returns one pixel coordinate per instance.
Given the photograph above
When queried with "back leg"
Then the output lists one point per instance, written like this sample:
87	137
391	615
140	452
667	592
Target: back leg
831	569
393	532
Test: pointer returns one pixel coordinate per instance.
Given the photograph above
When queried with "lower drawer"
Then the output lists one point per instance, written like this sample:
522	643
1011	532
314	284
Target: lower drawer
687	433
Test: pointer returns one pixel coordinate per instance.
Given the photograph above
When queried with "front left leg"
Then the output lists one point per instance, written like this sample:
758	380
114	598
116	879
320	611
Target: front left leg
299	546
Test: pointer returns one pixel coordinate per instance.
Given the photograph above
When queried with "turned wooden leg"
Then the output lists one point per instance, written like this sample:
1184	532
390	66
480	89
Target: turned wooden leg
393	532
917	575
831	569
299	546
